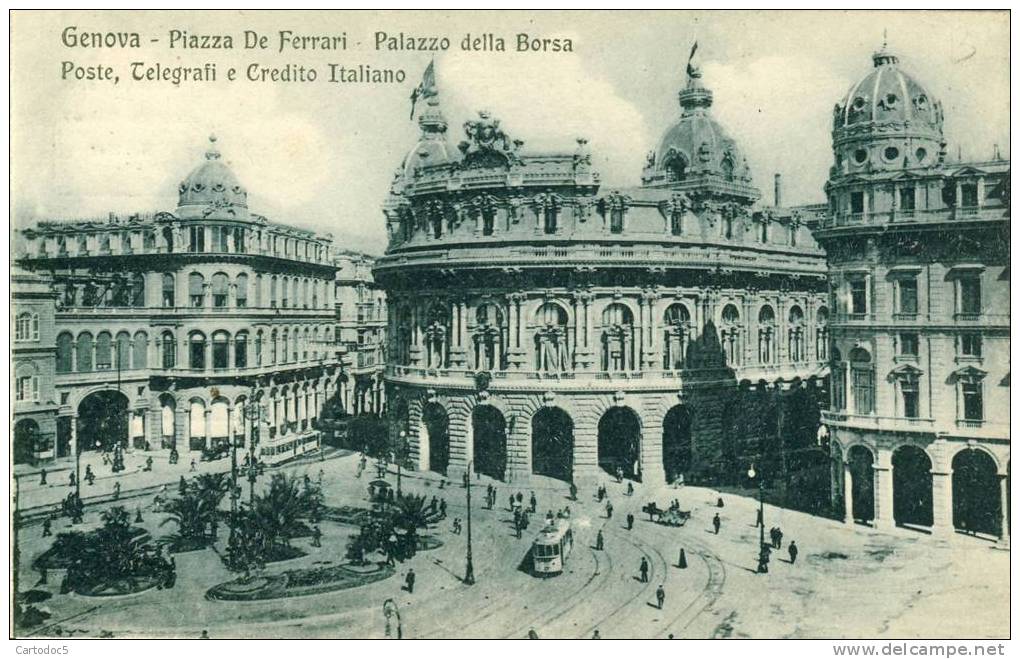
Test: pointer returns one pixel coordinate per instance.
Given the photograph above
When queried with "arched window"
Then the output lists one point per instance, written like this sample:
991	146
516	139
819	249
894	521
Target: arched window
104	351
766	335
551	218
219	422
65	352
437	333
488	221
795	335
284	345
220	284
838	375
315	343
304	344
197	421
221	350
242	290
123	360
168	348
140	350
488	338
315	293
196	351
677	327
862	376
272	347
241	350
727	168
304	293
258	292
730	335
258	348
272	291
169	286
167	409
284	292
551	350
295	337
85	348
822	334
137	284
618	351
676	167
196	289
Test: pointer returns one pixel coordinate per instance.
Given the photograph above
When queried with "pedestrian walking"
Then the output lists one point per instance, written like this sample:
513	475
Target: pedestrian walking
316	536
630	521
46	528
759	520
511	502
609	509
596	636
42	476
89	476
175	456
138	515
793	552
644	570
716	523
116	491
520	499
517	526
600	493
532	634
71	480
600	543
778	544
682	563
193	466
630	489
573	492
205	634
442	508
534	502
409	580
148	463
660	595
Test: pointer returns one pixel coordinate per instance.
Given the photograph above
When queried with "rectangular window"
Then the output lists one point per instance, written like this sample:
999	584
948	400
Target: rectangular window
838	388
857	202
222	237
970	295
970	345
550	219
864	390
972	403
969	194
488	222
196	239
908	295
858	296
21	387
908	344
909	390
616	220
907	199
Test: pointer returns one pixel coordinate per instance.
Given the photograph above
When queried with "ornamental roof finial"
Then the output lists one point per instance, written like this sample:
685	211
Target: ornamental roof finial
213	153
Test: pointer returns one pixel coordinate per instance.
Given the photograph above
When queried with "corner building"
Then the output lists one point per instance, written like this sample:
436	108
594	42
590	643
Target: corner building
918	255
169	326
540	324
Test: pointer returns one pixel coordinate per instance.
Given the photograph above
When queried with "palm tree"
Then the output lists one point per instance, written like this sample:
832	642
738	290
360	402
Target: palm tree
192	514
278	512
410	515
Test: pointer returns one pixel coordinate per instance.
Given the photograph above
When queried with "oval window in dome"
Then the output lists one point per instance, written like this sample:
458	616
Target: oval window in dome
891	153
921	154
890	101
860	156
218	187
237	189
858	103
197	187
183	188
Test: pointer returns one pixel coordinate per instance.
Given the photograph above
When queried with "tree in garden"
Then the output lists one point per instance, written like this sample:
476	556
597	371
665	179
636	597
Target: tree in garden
278	513
370	435
192	513
410	514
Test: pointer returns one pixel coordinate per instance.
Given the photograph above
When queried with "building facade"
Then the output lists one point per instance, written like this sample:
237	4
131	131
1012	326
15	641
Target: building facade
191	328
33	358
540	324
360	333
918	254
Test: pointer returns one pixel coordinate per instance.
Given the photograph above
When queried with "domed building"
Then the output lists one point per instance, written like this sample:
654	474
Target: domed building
918	257
541	324
170	325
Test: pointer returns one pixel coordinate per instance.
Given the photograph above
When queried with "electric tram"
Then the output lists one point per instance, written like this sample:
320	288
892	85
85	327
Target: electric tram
551	548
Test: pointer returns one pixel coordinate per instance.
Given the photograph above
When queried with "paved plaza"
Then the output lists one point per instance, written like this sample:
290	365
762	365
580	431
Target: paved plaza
847	582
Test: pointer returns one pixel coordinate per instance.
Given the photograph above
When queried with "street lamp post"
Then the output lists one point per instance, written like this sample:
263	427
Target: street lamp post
401	437
469	575
763	558
253	411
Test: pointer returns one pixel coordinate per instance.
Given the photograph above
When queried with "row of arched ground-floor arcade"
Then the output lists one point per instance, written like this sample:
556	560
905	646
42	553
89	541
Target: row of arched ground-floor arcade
511	444
938	487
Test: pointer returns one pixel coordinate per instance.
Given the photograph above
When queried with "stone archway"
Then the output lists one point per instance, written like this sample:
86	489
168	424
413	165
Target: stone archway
677	446
977	506
26	438
912	486
619	442
862	495
103	421
488	429
552	443
436	424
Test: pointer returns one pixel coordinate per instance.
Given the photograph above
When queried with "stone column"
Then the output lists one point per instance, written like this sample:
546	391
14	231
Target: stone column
848	494
207	295
74	437
1003	492
652	470
208	428
578	331
942	502
883	489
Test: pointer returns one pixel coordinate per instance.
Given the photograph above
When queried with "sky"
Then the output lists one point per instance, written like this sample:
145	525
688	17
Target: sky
322	155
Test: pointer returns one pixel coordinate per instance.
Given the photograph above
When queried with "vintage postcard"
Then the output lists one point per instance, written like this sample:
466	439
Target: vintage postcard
510	324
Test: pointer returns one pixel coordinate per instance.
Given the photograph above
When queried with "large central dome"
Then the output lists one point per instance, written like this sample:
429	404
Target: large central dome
696	147
212	191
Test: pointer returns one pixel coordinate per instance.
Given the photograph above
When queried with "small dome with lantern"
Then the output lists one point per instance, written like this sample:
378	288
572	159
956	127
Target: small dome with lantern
887	120
212	191
696	146
433	146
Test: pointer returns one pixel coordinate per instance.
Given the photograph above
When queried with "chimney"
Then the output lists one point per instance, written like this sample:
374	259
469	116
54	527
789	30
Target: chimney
779	190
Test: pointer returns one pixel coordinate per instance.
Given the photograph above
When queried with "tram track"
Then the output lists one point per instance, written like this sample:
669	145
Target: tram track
712	591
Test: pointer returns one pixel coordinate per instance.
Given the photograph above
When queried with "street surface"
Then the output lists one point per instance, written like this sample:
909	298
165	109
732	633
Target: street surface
847	582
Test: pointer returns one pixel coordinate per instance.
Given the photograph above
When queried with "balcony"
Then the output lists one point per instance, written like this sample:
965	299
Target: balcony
877	423
963	213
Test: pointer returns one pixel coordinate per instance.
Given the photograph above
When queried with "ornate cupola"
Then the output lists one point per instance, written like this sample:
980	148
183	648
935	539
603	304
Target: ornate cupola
695	154
211	191
887	121
433	146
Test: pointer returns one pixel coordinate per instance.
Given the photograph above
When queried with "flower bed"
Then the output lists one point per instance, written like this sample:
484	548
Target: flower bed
298	583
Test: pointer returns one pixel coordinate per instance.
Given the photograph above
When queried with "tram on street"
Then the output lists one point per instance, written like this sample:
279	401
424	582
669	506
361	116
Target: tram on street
551	548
